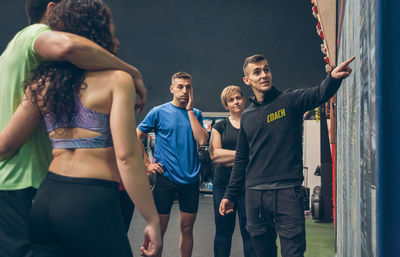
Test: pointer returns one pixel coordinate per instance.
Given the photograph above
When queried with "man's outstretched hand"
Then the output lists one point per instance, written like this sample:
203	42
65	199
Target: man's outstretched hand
343	70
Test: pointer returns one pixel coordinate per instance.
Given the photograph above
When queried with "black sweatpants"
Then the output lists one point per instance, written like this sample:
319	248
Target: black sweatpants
78	217
272	211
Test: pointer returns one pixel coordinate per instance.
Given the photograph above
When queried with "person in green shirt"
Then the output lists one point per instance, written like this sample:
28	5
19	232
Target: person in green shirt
22	172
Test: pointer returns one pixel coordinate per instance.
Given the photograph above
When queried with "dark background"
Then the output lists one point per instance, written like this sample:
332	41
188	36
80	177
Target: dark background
208	39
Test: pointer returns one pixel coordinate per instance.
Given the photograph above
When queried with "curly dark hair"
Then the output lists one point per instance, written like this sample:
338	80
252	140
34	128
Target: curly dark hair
54	85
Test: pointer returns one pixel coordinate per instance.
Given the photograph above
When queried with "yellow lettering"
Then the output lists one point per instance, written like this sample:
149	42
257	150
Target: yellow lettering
276	115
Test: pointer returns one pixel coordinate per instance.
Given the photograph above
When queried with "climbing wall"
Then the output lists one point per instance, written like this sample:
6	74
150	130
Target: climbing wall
356	176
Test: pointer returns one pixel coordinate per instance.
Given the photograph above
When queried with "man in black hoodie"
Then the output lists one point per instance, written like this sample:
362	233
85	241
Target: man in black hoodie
269	158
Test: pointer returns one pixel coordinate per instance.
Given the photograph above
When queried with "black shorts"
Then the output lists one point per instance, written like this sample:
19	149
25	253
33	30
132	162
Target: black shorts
165	191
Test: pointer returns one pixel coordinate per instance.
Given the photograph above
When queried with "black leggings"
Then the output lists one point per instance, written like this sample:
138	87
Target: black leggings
78	217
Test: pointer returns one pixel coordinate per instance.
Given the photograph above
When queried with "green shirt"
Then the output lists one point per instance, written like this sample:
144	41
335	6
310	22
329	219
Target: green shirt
28	166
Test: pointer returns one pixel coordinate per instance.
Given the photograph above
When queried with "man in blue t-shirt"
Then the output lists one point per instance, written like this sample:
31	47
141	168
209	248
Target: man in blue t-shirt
178	129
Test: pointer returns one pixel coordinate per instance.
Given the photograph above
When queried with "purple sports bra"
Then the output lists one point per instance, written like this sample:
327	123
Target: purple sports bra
86	119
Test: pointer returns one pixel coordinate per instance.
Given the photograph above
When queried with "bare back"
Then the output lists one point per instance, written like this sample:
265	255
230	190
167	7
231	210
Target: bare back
89	162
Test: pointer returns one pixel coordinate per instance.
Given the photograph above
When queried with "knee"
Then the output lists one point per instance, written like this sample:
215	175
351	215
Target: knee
187	229
164	219
225	227
293	240
264	245
293	232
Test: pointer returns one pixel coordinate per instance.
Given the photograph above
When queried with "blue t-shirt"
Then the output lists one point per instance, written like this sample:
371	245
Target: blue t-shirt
175	146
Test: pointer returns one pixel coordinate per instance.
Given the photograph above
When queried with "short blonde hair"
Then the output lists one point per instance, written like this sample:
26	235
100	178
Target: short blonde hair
227	92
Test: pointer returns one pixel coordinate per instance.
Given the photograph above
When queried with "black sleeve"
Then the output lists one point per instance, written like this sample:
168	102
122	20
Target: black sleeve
220	126
237	179
310	98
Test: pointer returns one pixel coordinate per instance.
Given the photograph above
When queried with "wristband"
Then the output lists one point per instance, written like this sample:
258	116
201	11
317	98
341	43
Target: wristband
190	109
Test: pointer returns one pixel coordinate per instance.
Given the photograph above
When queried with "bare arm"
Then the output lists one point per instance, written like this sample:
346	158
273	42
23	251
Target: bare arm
130	162
85	54
200	134
219	155
22	124
156	167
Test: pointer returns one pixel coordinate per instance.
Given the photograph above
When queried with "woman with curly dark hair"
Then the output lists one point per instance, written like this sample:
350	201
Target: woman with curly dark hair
91	124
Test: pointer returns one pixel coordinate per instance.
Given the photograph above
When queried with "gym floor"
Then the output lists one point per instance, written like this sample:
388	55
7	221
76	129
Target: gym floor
320	236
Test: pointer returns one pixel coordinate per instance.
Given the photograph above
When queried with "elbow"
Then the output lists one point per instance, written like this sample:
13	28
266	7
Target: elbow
204	140
5	150
212	156
68	48
215	158
125	158
57	46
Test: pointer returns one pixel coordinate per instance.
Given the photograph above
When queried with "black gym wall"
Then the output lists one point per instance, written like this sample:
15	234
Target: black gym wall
209	39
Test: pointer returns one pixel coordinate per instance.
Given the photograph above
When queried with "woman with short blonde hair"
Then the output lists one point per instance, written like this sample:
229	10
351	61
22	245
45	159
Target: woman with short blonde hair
222	151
